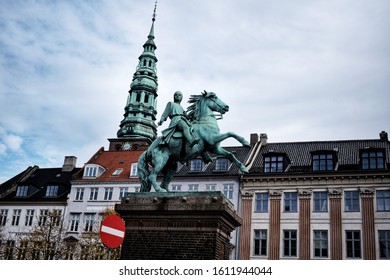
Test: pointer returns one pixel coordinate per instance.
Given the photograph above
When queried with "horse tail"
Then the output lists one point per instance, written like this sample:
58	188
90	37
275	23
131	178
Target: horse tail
143	172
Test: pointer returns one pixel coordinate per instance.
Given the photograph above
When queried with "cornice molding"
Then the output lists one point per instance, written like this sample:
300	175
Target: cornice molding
250	181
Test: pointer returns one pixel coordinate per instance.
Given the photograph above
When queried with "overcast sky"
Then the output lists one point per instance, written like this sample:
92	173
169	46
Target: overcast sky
297	70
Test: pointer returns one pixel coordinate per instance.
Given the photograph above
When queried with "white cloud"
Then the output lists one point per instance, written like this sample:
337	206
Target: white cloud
13	142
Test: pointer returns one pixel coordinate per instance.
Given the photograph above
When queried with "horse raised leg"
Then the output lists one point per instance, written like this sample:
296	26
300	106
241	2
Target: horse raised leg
220	137
221	151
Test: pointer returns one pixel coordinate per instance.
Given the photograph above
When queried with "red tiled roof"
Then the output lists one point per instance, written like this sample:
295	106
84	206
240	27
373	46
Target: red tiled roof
111	161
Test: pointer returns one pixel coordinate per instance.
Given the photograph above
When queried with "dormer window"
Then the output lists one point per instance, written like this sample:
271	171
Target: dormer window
222	164
93	171
22	191
324	161
275	163
51	190
117	172
196	165
372	159
134	170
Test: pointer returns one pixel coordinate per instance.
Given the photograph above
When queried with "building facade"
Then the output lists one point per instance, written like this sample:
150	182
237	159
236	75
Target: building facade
110	175
32	202
317	200
103	181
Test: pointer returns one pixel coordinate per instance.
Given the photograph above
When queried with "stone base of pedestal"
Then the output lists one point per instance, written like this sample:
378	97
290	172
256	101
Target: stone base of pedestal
177	226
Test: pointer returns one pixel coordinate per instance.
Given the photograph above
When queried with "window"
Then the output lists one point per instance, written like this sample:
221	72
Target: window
50	250
196	165
137	189
93	171
372	159
176	188
90	172
274	163
36	250
261	201
89	220
123	192
79	194
193	188
74	221
22	191
93	194
260	242
383	200
323	161
56	217
290	243
3	216
321	243
221	164
9	250
351	201
320	201
43	214
22	252
228	190
210	187
290	201
108	193
384	244
134	170
52	190
353	243
29	217
117	172
16	217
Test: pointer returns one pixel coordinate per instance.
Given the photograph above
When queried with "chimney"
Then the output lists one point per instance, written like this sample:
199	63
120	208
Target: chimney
69	163
254	139
383	136
263	138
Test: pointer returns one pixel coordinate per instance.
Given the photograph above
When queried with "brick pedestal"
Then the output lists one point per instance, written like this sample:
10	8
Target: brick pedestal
177	226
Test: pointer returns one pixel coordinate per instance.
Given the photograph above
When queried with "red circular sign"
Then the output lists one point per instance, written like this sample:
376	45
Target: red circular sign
112	231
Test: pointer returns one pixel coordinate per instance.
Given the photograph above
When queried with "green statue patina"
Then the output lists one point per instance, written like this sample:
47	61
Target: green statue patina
190	134
179	121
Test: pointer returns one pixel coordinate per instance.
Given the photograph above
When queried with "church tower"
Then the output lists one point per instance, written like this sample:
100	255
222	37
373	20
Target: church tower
138	126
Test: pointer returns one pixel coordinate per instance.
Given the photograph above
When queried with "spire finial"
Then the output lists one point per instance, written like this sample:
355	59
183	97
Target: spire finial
154	12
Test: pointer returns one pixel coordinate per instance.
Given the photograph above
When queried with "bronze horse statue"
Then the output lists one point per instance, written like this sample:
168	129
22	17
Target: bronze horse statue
163	158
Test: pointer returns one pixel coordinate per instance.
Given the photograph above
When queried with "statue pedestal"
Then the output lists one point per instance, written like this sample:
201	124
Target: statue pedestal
177	226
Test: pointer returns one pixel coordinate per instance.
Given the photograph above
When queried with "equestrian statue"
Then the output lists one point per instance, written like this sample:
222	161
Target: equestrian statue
190	134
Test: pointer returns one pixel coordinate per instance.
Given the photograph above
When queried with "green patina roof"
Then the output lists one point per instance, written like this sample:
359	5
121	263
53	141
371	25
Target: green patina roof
140	111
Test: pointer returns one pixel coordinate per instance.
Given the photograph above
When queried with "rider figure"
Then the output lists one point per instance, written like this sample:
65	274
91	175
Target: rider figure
179	121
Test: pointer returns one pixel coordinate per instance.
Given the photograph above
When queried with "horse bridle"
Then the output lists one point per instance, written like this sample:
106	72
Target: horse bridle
220	115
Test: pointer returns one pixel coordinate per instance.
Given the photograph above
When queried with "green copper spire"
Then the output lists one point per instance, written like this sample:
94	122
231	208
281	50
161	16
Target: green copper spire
140	111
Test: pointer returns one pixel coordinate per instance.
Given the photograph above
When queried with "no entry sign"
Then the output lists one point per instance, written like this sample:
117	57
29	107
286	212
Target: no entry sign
112	231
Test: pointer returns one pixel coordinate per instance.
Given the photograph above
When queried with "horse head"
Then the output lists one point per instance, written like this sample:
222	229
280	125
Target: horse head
202	105
214	103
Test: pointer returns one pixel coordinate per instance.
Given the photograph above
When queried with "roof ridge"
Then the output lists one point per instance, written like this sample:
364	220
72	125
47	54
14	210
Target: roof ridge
326	141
